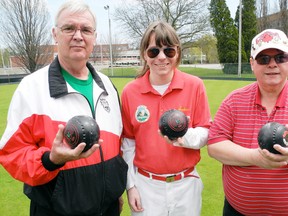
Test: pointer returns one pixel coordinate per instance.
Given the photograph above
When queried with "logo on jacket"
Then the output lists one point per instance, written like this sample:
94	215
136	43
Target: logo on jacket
142	114
105	104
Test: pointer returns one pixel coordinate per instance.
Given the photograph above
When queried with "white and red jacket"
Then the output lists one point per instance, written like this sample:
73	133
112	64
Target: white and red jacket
42	101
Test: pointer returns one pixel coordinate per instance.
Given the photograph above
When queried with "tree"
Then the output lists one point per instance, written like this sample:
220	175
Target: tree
4	58
249	26
263	15
25	29
283	15
188	17
207	44
225	31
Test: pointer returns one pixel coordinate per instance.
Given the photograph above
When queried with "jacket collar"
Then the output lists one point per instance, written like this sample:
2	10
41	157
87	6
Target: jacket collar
57	83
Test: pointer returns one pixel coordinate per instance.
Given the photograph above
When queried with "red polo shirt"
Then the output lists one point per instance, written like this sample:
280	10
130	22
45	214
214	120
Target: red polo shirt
142	107
251	190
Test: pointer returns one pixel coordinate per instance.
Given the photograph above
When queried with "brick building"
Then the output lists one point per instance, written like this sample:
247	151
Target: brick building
122	55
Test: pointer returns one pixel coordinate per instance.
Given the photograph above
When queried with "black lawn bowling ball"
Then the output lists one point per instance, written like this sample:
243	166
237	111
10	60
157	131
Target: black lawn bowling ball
81	129
272	133
173	123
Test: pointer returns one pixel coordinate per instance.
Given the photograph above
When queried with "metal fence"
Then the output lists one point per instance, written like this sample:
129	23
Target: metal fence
225	71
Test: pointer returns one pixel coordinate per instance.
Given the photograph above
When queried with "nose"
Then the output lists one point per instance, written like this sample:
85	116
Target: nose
78	34
161	55
272	62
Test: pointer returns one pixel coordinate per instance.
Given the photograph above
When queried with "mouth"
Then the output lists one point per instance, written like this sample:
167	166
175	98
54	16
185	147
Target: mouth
77	47
272	73
162	64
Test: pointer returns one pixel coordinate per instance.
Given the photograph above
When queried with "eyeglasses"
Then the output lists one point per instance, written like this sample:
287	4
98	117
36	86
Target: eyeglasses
169	52
71	30
265	59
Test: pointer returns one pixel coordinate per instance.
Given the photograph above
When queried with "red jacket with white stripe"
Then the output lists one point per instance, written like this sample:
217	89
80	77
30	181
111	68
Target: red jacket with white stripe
41	102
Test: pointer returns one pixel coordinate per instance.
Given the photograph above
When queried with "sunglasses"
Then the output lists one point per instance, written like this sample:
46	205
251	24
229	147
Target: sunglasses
169	52
265	59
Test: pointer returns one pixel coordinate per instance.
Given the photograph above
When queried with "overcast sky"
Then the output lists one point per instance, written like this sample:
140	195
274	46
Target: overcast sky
102	14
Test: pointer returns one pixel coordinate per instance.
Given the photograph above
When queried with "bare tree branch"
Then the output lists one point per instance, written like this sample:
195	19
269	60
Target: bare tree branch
26	31
189	17
283	15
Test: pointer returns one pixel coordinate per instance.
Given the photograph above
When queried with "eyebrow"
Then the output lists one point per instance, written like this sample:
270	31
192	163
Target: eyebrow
81	25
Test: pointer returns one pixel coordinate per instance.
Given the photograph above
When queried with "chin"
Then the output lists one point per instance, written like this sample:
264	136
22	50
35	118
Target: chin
78	57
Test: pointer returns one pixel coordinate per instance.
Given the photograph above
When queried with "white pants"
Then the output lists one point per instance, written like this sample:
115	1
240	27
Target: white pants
178	198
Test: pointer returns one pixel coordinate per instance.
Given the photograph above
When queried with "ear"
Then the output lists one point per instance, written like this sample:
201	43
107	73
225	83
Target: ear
95	39
54	34
252	63
145	56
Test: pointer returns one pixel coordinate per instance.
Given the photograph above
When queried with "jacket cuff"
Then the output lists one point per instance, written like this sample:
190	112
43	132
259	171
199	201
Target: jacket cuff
48	164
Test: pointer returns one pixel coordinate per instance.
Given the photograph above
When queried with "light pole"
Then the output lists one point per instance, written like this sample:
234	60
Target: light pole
110	40
239	39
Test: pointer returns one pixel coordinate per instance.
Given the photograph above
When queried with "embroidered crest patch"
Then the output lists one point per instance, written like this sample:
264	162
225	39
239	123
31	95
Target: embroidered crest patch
105	104
142	114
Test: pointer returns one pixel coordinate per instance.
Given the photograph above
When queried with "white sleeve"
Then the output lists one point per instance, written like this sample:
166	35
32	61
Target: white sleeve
128	149
195	138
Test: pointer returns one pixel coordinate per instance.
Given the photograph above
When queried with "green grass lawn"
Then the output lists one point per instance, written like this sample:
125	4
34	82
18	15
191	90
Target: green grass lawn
201	72
14	203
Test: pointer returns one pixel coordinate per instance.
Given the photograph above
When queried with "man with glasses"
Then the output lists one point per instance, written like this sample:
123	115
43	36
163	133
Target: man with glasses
162	176
255	181
60	180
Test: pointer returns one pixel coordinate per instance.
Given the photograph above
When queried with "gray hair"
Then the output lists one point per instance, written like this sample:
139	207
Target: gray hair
75	6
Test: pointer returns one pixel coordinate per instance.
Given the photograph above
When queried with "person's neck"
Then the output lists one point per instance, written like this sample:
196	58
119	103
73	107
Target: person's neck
269	97
271	91
76	69
156	79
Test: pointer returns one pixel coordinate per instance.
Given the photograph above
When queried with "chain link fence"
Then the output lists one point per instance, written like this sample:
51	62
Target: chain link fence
207	71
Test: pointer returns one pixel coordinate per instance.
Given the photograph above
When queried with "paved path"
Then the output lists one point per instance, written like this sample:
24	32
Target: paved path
210	66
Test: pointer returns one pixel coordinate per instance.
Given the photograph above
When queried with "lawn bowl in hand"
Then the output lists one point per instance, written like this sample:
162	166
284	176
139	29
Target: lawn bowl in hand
272	133
173	124
81	129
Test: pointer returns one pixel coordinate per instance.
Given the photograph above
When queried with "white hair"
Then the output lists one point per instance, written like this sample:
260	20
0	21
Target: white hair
75	6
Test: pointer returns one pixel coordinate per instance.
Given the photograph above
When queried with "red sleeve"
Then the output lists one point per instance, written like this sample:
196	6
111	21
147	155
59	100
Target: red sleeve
126	115
222	127
22	154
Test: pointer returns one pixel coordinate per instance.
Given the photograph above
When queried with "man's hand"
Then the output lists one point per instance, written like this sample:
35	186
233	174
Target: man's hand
265	159
62	153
